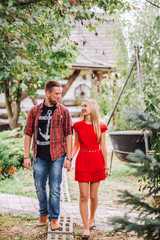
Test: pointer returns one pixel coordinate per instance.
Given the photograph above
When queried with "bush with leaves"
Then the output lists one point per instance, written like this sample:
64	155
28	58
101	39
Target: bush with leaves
147	224
145	31
11	150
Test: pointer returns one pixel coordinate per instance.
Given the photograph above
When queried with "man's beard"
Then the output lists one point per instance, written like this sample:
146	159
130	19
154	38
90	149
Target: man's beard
52	102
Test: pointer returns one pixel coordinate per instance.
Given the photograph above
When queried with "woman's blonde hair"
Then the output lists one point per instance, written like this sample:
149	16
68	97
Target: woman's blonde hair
94	117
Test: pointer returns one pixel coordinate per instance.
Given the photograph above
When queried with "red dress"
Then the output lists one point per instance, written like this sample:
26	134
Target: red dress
89	165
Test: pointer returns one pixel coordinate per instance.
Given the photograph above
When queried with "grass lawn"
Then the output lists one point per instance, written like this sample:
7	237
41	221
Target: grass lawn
20	228
21	183
24	228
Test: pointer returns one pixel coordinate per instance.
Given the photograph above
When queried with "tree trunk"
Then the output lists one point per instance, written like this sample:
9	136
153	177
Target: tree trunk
8	103
70	81
13	116
16	114
13	108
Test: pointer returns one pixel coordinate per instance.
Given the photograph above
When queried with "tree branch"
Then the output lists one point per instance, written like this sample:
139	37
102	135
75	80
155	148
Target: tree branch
27	3
70	81
152	3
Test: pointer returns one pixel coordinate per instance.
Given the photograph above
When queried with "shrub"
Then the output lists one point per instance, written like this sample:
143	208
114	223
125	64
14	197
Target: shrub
11	150
147	224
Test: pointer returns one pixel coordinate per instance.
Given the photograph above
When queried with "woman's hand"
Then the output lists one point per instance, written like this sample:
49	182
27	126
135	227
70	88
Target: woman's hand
67	164
106	172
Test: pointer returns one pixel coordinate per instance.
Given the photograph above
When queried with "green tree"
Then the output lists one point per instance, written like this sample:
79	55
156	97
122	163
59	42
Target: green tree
35	43
147	223
146	32
112	85
34	47
142	28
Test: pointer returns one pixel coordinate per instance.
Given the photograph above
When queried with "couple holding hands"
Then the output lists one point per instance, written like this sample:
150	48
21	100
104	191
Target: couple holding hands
50	125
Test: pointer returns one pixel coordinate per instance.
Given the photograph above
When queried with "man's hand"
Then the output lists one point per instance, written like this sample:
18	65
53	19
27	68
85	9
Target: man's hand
67	164
27	163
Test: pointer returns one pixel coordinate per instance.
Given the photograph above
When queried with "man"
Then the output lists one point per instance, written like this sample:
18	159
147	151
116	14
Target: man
50	123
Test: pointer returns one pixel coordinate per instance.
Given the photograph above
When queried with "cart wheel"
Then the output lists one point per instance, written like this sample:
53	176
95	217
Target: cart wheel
82	91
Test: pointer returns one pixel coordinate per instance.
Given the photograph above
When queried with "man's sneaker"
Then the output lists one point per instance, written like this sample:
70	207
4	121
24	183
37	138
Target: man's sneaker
55	225
42	221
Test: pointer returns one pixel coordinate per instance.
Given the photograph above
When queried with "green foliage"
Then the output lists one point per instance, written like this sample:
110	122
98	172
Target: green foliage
21	183
147	224
112	85
142	229
146	121
111	88
35	43
11	150
34	46
145	32
151	179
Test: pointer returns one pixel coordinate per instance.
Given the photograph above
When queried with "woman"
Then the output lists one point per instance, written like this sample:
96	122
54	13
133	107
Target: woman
91	162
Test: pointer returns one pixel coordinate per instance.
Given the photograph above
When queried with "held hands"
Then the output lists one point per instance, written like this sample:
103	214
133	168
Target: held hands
67	164
27	163
106	172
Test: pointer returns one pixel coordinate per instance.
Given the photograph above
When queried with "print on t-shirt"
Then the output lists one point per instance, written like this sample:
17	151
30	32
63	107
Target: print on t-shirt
46	121
43	138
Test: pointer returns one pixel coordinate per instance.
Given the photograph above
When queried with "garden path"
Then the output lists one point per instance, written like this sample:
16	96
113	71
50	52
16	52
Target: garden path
22	206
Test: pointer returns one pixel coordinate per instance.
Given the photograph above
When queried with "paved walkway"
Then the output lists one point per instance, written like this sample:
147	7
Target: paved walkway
22	206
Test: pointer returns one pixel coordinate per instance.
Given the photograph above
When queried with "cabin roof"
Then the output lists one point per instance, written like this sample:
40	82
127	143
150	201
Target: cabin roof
96	48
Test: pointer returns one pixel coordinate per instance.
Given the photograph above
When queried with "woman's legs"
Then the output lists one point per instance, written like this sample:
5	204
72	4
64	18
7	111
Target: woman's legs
93	201
83	204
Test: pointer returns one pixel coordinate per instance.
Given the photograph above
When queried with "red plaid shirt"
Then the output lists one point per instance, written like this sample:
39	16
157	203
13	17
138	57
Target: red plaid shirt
60	127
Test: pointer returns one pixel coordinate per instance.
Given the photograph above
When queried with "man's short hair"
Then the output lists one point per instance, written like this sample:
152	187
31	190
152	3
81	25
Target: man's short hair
50	85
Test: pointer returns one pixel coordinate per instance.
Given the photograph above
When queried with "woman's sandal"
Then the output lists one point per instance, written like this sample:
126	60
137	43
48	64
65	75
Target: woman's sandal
93	226
85	236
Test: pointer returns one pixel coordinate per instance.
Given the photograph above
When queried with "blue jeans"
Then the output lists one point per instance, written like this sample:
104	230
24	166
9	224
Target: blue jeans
41	171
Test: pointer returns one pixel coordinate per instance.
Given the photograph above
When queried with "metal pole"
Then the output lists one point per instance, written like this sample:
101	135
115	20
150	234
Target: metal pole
141	93
139	76
114	108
